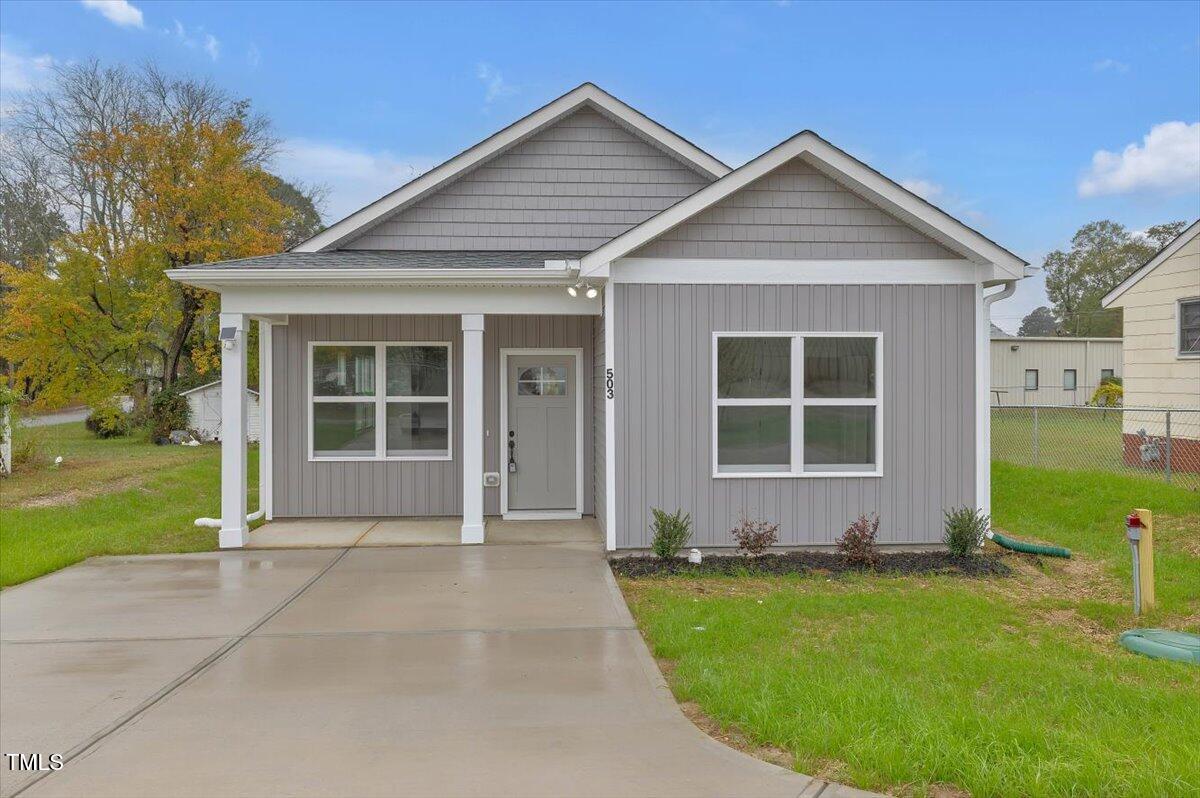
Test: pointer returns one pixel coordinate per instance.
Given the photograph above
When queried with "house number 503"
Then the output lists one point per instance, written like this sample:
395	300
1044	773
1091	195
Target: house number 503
608	384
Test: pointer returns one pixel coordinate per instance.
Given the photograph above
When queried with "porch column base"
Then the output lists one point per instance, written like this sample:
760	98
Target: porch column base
472	534
233	538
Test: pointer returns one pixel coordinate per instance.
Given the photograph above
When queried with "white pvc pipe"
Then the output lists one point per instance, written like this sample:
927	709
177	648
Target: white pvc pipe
215	523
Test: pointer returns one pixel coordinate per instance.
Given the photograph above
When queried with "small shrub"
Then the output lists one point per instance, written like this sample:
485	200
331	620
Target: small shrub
1108	393
28	451
965	527
671	531
108	421
755	537
169	410
857	543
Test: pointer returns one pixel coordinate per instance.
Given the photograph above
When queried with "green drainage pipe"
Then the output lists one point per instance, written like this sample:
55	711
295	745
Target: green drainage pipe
1163	644
1028	548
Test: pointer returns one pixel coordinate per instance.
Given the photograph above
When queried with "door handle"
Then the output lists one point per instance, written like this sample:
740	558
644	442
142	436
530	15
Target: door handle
512	451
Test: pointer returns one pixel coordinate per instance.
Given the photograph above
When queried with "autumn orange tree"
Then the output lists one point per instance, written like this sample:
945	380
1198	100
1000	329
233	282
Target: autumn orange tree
172	175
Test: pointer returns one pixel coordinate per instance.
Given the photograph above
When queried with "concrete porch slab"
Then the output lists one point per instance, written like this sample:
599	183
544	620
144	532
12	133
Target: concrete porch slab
583	530
414	532
309	533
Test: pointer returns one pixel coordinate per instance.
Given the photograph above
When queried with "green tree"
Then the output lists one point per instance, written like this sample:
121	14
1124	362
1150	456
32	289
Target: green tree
1102	254
1039	321
304	221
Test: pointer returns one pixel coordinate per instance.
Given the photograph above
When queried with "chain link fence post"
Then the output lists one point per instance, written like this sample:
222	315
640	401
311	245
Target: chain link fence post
1035	436
1167	465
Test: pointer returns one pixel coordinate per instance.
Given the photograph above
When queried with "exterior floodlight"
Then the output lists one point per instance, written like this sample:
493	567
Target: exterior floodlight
573	290
228	336
591	292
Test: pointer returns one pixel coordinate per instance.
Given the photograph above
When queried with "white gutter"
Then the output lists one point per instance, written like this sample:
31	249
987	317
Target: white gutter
500	276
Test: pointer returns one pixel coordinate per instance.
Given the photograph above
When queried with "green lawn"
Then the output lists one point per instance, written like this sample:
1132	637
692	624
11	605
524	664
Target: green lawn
1010	686
117	496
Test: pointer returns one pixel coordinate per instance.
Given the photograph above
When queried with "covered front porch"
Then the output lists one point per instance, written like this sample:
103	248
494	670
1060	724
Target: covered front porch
318	533
426	413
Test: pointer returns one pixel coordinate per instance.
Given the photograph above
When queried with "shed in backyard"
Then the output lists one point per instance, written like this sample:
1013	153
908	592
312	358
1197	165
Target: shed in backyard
205	401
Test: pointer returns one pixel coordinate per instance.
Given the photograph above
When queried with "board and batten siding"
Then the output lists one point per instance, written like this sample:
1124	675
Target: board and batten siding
664	407
798	212
402	488
572	186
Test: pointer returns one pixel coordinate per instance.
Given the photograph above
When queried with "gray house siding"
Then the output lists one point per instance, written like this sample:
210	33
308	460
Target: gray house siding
314	489
571	186
663	405
794	212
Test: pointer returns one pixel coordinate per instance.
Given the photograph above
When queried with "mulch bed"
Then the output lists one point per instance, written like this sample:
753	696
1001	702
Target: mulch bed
809	562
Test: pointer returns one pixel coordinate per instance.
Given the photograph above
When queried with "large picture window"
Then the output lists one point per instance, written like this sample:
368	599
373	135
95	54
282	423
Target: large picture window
380	401
796	404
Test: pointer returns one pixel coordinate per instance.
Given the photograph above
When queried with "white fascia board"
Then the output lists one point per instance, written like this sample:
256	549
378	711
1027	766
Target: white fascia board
1170	249
405	299
729	271
513	134
822	155
218	279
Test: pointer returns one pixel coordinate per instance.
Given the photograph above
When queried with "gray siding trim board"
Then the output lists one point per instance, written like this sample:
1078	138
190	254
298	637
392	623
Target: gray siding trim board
305	488
664	411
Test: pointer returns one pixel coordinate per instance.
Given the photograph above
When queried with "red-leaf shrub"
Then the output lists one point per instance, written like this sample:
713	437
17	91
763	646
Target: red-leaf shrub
755	537
857	543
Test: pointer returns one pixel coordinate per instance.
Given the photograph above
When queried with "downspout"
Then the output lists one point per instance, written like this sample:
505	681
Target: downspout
1005	542
215	523
983	410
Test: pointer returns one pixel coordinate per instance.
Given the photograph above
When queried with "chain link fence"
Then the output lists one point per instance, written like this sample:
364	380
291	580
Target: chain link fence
1155	443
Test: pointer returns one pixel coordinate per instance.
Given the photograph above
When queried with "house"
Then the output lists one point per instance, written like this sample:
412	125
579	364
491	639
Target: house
1051	371
205	403
1160	303
587	315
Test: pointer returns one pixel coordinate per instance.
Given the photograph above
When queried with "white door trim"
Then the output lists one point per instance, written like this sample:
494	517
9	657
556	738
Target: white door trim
502	438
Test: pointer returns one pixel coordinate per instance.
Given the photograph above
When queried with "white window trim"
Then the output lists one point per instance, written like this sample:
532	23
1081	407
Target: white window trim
1178	331
381	400
797	402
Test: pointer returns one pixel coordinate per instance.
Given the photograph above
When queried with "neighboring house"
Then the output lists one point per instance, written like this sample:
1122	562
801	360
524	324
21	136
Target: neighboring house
205	402
585	314
1051	371
1160	303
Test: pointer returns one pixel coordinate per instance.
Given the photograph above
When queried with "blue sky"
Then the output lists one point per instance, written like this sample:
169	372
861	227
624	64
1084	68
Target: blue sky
1026	121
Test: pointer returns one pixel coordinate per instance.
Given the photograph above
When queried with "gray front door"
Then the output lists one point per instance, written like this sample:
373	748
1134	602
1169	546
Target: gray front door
540	439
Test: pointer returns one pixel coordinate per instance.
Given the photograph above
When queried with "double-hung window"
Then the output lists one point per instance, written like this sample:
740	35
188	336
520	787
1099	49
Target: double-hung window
796	404
1189	327
380	401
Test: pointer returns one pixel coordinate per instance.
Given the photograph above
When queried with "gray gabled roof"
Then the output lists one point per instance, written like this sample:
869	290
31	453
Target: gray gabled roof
389	259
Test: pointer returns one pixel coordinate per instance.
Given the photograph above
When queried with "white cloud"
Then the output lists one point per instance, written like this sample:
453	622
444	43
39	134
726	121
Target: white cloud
197	39
496	86
118	12
19	72
1110	65
1167	161
925	189
353	177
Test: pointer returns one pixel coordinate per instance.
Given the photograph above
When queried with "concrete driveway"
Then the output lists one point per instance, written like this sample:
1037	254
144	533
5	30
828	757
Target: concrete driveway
441	671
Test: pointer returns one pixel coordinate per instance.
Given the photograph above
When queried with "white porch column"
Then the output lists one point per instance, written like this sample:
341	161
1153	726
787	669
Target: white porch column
266	400
472	440
233	432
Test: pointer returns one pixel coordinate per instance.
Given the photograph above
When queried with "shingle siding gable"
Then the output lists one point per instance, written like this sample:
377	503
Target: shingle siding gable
797	212
573	186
